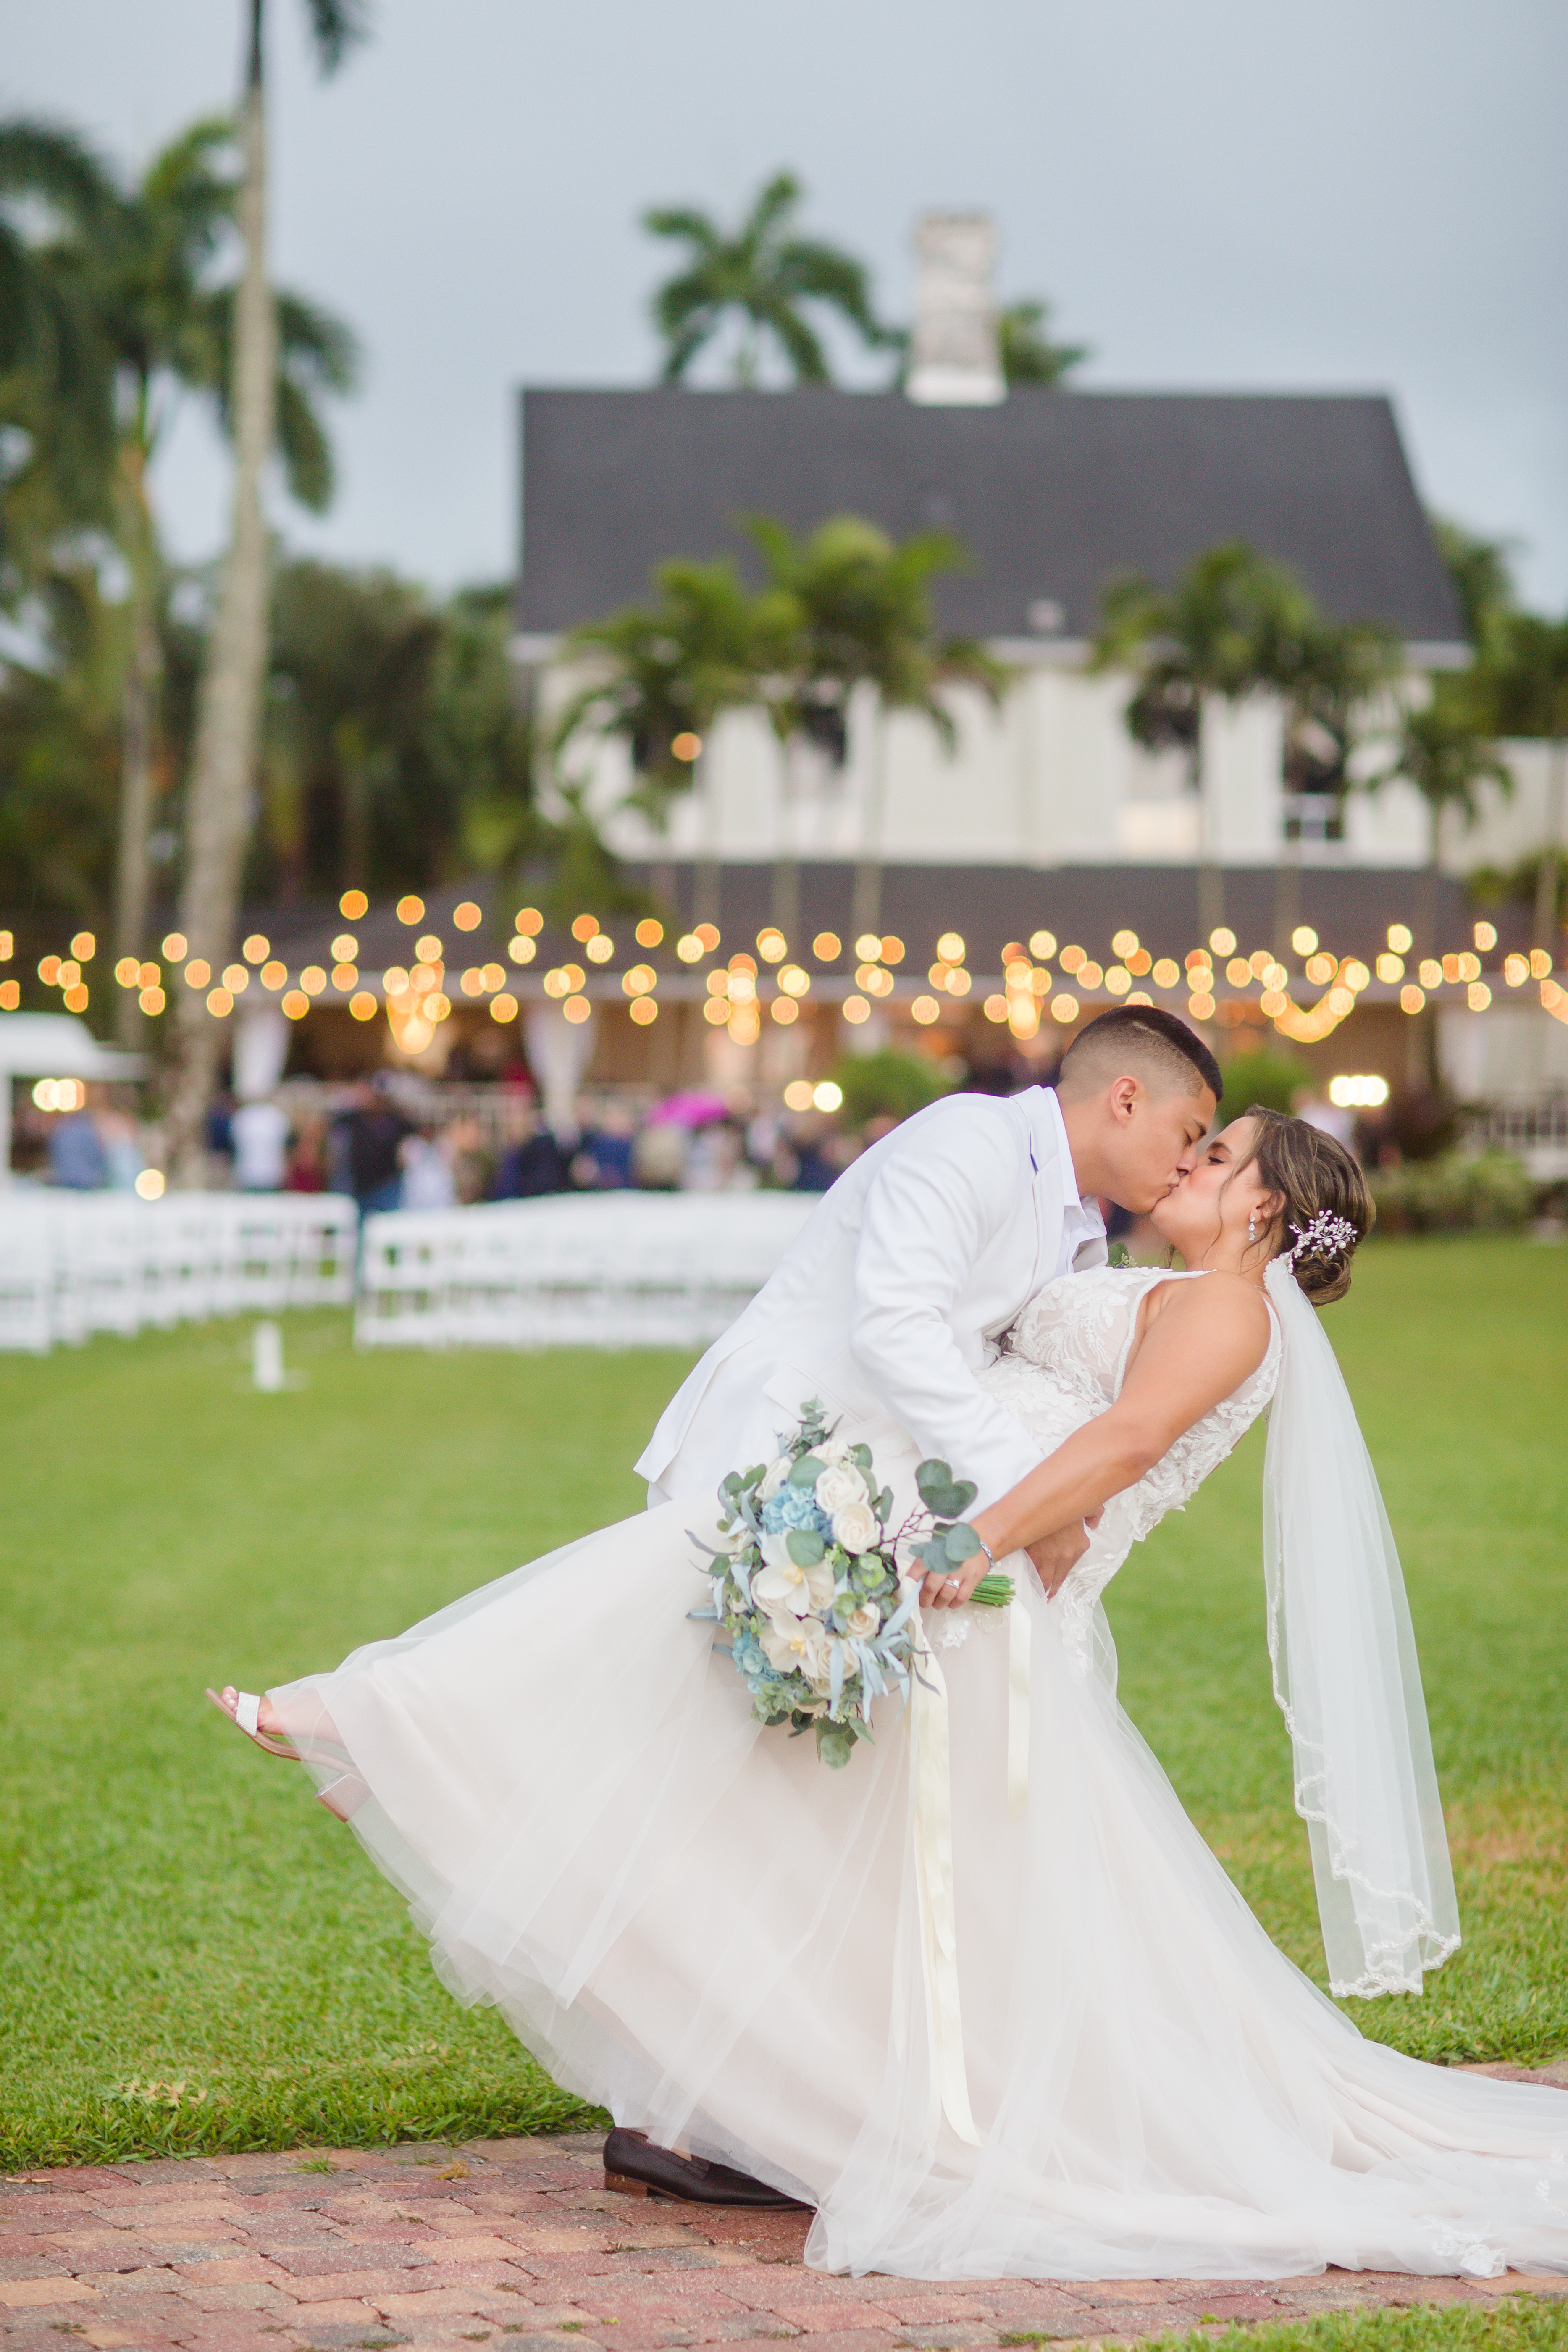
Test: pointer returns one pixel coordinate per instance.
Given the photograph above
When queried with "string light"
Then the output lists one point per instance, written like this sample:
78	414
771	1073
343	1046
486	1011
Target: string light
649	932
354	904
411	911
467	917
827	947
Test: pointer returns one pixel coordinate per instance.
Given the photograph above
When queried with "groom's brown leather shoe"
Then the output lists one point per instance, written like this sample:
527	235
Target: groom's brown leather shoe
636	2168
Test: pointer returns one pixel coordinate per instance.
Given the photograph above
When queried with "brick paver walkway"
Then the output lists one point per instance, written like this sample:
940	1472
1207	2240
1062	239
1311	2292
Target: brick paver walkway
515	2242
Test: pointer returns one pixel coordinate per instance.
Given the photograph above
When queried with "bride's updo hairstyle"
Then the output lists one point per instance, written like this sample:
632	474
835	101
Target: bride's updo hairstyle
1318	1178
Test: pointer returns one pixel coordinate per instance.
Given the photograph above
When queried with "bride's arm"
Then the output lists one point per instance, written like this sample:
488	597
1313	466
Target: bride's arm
1200	1342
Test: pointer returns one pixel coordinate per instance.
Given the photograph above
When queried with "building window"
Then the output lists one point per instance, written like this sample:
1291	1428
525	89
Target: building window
1314	816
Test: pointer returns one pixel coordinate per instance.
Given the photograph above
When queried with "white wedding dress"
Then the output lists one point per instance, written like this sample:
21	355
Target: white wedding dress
692	1921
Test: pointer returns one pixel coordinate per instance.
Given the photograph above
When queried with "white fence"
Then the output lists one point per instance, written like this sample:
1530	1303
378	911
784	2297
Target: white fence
72	1263
599	1270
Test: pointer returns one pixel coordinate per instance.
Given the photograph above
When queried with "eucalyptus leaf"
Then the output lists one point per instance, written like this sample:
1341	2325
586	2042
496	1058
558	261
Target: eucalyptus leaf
806	1471
804	1547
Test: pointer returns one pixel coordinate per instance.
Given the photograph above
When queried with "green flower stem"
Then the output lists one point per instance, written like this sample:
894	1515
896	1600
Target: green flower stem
993	1591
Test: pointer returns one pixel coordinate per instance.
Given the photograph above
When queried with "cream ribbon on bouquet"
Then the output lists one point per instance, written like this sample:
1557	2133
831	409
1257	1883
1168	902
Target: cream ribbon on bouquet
933	1848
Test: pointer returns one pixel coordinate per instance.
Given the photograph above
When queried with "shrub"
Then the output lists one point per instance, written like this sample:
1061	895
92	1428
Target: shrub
888	1085
1459	1192
1269	1080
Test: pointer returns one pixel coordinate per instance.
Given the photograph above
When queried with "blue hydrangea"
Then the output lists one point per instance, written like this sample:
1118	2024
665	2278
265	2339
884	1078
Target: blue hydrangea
749	1655
793	1506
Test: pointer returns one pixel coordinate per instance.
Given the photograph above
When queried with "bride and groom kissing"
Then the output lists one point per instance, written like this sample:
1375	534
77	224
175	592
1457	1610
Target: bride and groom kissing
1094	2063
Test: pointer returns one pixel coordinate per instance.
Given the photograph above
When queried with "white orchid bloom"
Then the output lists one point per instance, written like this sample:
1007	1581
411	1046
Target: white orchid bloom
798	1643
785	1589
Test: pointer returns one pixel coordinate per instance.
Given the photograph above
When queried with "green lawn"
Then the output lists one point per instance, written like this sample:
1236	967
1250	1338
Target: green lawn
193	1955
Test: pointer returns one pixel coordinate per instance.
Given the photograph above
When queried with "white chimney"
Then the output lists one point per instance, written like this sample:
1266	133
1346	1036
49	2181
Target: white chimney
955	359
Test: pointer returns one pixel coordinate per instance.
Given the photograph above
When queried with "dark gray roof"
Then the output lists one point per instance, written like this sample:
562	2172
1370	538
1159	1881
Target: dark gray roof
1053	493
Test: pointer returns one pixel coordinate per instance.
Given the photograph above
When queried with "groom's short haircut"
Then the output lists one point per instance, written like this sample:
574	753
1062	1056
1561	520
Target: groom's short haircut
1139	1041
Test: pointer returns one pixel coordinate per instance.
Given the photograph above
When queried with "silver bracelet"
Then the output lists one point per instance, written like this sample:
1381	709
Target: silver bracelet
985	1547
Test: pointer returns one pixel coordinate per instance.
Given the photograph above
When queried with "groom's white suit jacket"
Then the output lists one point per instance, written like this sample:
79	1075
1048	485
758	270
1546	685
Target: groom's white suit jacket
891	1297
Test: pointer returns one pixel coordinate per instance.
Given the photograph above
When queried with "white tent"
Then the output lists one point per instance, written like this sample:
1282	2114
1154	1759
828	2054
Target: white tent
52	1046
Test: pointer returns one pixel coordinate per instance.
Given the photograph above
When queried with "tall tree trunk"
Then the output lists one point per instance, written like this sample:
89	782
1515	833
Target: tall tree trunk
1211	875
1420	1037
138	710
866	911
1547	874
223	768
785	909
706	880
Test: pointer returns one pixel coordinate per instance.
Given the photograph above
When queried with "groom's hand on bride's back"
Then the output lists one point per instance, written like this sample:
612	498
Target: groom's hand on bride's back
1055	1555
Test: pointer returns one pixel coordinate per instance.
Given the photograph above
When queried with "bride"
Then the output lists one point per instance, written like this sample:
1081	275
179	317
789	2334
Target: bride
983	1999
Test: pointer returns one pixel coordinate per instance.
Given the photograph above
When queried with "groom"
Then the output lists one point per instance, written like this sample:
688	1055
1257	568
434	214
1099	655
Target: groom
895	1294
929	1247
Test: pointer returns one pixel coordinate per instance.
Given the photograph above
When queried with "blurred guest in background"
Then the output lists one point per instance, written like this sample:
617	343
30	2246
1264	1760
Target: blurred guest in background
533	1167
658	1155
305	1170
260	1134
429	1181
604	1162
122	1156
77	1160
369	1136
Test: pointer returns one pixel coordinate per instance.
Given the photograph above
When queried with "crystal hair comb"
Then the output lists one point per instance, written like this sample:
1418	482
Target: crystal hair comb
1327	1236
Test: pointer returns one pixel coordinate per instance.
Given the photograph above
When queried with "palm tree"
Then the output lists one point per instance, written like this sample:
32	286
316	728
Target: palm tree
228	730
48	345
1522	687
1331	676
1234	624
1443	748
865	620
1028	355
1482	576
762	275
141	269
664	674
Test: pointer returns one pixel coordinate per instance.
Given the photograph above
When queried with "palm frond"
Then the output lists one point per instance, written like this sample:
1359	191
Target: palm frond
303	445
316	348
46	161
801	346
821	273
682	221
336	27
778	198
684	347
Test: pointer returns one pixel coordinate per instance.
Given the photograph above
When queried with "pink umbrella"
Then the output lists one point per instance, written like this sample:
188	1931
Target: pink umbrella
693	1108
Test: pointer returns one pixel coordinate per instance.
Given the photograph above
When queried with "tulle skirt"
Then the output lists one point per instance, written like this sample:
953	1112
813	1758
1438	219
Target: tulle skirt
691	1921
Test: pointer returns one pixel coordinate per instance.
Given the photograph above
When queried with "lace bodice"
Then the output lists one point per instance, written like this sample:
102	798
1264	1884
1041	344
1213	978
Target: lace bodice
1062	1363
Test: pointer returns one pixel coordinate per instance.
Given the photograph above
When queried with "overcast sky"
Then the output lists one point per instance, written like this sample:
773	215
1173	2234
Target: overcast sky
1348	195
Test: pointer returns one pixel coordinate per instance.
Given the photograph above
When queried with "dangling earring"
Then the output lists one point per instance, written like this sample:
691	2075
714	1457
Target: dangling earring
1252	1225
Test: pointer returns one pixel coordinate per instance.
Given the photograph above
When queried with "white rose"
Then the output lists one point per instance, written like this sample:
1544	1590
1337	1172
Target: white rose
863	1622
855	1527
785	1589
774	1478
837	1450
839	1485
797	1644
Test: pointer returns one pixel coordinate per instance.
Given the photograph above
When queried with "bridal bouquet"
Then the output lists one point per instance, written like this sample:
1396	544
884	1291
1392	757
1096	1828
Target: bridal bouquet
808	1587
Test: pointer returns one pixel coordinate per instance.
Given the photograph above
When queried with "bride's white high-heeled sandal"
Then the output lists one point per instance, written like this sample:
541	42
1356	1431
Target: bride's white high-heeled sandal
246	1716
